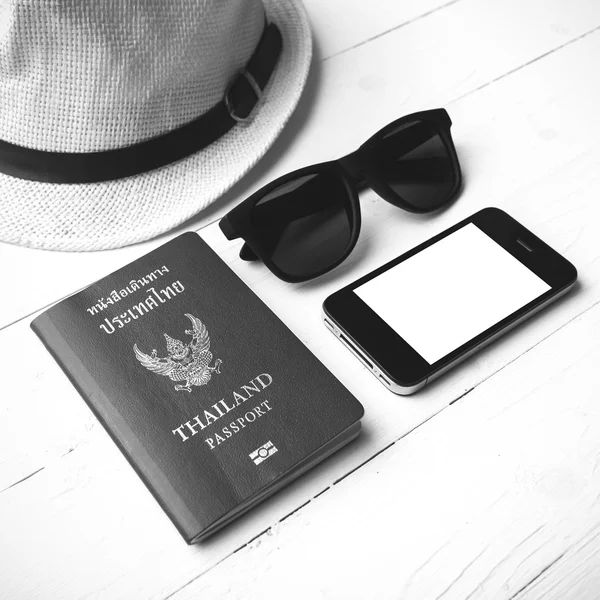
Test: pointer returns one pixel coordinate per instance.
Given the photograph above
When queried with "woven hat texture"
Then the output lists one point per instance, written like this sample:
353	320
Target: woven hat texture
92	76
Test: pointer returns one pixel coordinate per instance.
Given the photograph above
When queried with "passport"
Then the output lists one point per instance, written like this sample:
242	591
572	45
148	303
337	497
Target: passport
215	403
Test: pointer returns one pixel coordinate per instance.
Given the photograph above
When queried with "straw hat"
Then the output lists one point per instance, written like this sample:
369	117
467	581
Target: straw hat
119	120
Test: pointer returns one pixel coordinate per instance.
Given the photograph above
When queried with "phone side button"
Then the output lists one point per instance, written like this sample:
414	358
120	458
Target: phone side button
390	385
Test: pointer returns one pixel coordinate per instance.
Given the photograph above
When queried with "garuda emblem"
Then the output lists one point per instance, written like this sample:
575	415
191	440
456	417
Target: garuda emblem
185	362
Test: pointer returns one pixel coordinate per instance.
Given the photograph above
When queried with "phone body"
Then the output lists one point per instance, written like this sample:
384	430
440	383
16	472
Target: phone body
414	318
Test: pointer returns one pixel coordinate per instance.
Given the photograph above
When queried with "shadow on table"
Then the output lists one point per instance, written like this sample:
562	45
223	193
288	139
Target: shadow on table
295	490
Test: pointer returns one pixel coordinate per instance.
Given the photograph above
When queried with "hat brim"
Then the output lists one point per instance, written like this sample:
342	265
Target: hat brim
111	214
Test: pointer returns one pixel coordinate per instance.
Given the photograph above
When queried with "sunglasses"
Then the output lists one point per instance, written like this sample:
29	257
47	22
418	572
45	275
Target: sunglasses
306	223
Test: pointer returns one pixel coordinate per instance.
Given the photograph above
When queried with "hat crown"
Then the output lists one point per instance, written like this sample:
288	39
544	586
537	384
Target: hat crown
90	76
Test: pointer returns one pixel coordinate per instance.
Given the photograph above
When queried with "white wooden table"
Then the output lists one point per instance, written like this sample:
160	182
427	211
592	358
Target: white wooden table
486	484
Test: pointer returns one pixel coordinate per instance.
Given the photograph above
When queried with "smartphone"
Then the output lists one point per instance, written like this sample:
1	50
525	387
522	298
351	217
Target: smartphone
414	318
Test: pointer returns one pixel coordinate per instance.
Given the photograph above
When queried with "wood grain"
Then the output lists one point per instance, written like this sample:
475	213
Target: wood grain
429	516
428	62
497	497
338	26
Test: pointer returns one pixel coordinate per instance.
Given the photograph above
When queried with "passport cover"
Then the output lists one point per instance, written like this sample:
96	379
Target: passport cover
212	399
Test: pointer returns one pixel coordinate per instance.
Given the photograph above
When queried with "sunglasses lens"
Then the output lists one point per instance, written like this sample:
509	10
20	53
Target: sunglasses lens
415	163
305	225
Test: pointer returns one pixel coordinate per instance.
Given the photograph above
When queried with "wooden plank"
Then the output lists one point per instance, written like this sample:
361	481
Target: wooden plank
429	62
497	497
85	495
339	25
572	575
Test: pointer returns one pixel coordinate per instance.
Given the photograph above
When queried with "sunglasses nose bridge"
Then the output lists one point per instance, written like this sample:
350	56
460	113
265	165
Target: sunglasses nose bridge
351	165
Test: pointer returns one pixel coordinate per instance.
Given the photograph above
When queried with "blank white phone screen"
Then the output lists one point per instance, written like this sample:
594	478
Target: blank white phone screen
445	295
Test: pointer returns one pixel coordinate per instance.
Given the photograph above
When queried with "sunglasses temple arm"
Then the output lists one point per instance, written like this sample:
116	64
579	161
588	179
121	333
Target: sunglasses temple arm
247	254
227	229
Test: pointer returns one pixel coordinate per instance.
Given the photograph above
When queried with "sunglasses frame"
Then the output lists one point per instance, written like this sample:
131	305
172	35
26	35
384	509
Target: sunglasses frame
237	223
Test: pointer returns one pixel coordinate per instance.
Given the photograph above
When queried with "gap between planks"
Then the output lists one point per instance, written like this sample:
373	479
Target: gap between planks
577	316
213	223
355	46
380	452
391	30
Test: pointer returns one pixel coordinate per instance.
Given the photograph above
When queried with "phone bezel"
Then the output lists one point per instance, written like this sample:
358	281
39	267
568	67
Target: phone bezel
394	358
